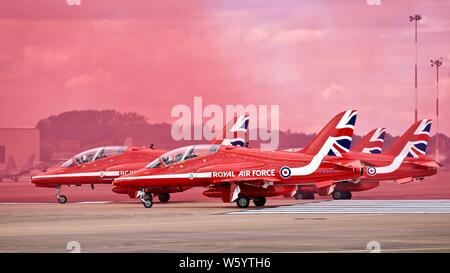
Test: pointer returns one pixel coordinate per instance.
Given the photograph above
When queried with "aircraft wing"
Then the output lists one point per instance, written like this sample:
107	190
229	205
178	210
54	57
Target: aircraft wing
347	163
404	180
428	163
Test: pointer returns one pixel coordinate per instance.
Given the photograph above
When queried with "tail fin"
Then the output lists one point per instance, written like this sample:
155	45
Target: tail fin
413	142
234	133
340	128
371	143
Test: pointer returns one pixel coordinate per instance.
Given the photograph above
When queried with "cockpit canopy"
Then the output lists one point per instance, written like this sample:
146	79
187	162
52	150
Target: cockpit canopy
182	154
94	154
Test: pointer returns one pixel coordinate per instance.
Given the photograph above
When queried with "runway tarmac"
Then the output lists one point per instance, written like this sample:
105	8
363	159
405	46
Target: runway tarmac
220	227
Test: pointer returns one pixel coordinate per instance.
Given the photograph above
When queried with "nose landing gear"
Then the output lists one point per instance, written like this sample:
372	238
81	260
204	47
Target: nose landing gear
146	198
62	199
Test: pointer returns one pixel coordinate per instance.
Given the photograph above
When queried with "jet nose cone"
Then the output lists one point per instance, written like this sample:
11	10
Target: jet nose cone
45	179
121	181
39	180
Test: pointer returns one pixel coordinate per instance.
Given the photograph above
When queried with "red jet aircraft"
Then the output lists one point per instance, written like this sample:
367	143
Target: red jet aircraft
239	174
101	165
94	166
372	143
403	162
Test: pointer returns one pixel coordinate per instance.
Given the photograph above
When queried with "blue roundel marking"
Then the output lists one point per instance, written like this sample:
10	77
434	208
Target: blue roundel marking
285	172
371	171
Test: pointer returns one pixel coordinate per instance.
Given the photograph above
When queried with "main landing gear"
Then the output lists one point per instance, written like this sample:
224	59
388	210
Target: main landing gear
164	197
259	201
339	195
304	195
243	201
146	198
62	199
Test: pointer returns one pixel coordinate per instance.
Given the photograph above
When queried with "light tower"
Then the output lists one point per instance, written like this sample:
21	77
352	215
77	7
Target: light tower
437	64
415	18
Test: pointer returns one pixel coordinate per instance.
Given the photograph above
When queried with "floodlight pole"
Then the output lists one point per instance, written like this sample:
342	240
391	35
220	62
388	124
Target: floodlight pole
437	64
415	18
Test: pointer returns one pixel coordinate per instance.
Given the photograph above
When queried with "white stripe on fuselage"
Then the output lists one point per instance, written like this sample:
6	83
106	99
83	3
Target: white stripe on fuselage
300	171
87	174
163	176
399	159
396	162
316	161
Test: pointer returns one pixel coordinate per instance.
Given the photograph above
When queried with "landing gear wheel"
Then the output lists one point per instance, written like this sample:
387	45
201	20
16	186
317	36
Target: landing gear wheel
164	197
304	195
298	196
309	195
338	195
62	199
147	200
147	204
348	195
259	201
243	202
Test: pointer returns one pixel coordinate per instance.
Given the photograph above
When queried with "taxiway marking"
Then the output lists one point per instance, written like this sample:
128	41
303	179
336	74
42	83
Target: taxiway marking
358	207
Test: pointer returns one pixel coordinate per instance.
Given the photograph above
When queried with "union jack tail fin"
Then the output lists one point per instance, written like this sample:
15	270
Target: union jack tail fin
416	138
371	143
234	133
340	130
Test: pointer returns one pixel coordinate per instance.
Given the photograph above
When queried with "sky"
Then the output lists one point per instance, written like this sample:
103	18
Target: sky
312	58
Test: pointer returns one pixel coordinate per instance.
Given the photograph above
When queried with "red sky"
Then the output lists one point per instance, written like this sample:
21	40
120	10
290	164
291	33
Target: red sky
313	58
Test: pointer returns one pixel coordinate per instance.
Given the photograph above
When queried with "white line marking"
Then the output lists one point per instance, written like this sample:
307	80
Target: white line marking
95	202
358	207
86	174
49	203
